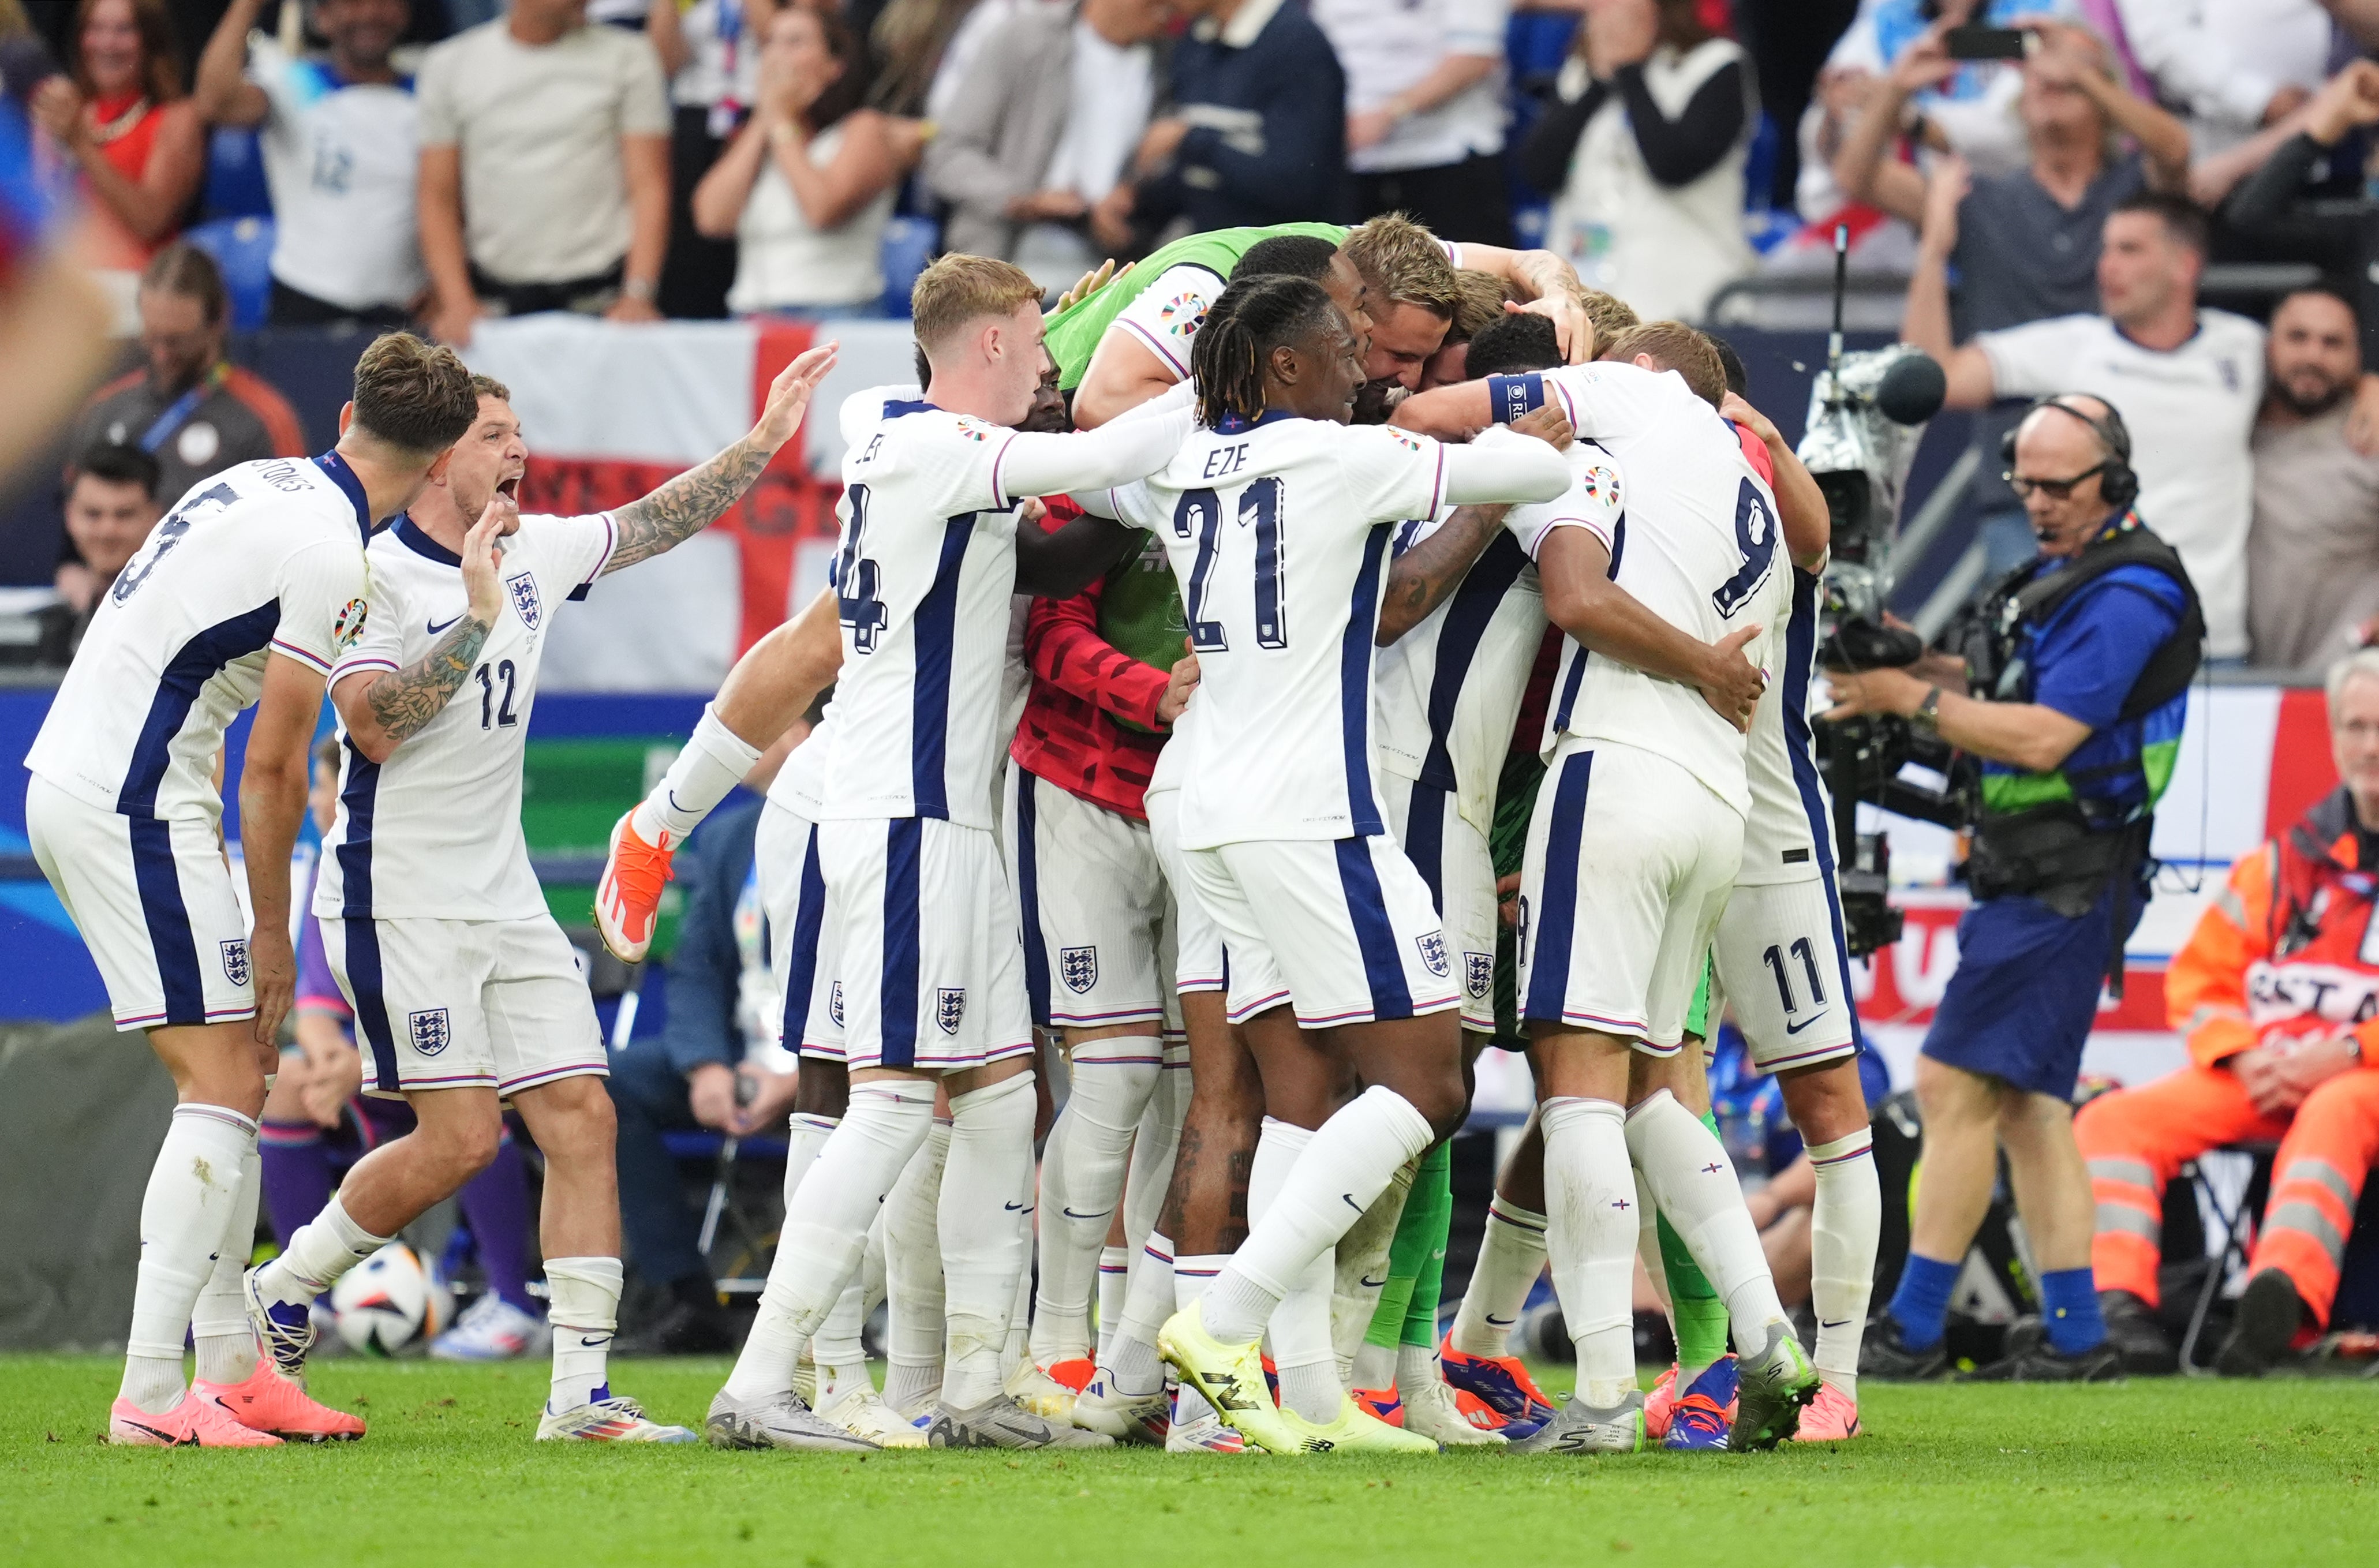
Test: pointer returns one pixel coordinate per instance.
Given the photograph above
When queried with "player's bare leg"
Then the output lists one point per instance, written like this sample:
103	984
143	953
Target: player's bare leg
769	689
1828	1105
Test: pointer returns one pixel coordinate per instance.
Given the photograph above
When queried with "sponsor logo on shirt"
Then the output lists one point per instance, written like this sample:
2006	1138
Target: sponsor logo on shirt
234	961
430	1030
1079	967
950	1006
526	603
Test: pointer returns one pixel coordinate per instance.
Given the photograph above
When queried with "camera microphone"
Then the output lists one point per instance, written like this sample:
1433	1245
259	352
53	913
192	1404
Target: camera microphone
1913	389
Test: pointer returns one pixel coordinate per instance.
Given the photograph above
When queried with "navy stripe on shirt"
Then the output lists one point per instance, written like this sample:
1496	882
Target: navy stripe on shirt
1355	684
936	637
199	660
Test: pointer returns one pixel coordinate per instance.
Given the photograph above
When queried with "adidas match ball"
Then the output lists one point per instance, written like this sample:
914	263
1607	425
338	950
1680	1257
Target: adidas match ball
391	1302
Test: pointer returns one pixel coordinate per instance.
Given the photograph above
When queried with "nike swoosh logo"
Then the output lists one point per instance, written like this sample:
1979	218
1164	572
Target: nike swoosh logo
1014	1208
1071	1215
1350	1201
1370	1284
168	1439
590	1344
1797	1028
1841	1324
1501	1322
437	626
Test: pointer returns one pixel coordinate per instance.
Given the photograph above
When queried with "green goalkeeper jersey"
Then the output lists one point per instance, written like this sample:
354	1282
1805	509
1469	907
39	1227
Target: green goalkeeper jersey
1074	332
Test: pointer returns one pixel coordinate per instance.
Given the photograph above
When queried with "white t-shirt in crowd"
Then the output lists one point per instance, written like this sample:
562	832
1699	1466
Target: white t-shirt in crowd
2190	413
782	260
434	833
723	57
544	194
1386	48
340	160
1107	104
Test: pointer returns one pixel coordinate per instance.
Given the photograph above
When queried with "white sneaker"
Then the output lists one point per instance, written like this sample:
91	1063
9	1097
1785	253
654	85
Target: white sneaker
863	1413
1126	1418
1038	1391
616	1419
492	1329
1430	1412
1195	1429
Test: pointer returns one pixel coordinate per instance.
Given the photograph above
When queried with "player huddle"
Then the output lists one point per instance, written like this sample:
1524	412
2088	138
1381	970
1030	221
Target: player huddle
1178	645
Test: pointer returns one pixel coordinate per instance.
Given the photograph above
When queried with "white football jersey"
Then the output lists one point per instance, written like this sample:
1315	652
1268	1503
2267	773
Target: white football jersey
1790	814
1693	539
435	831
1449	691
800	785
923	571
264	557
1278	531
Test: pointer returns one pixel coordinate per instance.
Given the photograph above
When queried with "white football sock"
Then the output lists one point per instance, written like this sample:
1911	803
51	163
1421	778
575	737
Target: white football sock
805	1136
912	1279
1590	1195
1302	1355
1843	1230
1082	1180
219	1324
1695	1184
836	1350
818	1249
194	1188
1417	1367
1361	1272
1131	1362
324	1247
1153	1149
1511	1258
1348	1165
1115	1282
984	1189
1016	1349
1193	1274
714	761
583	1297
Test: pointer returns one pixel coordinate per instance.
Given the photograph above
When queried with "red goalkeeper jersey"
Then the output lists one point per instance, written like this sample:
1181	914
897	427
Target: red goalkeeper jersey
1081	684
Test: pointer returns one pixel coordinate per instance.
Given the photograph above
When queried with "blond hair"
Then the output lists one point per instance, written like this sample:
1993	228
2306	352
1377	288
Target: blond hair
1479	305
960	288
1609	314
1673	345
1404	265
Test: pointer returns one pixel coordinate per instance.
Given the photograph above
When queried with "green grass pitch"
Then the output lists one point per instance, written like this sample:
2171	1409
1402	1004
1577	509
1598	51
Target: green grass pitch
2145	1473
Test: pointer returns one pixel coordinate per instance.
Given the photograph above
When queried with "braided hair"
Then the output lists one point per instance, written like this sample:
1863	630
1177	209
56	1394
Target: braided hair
1235	341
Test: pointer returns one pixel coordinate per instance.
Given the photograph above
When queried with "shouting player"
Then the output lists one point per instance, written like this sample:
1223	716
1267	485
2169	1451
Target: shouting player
919	915
465	992
244	596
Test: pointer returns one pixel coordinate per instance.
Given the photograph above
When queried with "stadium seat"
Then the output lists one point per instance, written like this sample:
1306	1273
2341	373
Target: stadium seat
2236	1220
243	249
909	244
236	186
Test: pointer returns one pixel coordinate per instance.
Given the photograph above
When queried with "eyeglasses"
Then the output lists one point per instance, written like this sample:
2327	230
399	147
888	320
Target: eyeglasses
2055	489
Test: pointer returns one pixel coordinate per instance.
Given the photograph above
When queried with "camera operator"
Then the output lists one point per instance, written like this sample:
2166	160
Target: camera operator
2080	664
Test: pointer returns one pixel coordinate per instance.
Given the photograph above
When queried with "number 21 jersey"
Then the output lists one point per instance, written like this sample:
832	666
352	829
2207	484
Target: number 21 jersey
435	831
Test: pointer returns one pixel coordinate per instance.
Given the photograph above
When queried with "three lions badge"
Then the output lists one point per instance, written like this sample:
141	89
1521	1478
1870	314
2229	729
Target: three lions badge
1079	968
522	585
431	1031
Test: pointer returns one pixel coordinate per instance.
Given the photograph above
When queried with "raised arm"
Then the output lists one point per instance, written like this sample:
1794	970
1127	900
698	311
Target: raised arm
384	709
1800	504
222	94
1862	166
1552	288
1925	321
700	496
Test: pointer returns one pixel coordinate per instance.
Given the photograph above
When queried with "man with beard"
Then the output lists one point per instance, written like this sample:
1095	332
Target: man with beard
2312	550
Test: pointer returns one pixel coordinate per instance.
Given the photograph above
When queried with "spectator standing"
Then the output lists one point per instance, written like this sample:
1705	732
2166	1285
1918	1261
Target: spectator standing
2312	552
1425	111
341	148
928	48
544	179
1644	151
2231	66
2187	380
806	187
2324	156
111	504
189	407
710	51
1969	111
1042	129
1257	134
120	118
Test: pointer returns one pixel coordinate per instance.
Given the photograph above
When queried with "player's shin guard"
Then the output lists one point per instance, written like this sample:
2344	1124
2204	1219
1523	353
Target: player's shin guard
1695	1184
714	761
1511	1259
1343	1170
1590	1195
825	1233
1362	1271
912	1279
1131	1361
1843	1230
585	1311
218	1324
1113	1083
985	1190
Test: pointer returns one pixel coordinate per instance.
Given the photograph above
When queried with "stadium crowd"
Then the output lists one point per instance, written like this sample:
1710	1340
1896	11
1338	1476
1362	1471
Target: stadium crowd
2070	225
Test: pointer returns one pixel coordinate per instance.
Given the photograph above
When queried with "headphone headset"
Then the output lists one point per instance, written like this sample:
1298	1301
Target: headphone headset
2117	483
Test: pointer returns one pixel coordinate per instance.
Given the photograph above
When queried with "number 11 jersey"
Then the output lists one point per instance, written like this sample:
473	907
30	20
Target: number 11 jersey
435	831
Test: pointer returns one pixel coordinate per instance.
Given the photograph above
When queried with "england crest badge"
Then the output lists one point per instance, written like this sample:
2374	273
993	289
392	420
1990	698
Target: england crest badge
1477	974
950	1006
1432	952
1079	968
522	585
431	1032
234	961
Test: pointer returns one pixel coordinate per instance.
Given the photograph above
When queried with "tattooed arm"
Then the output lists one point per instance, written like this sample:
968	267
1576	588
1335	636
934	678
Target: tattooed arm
383	709
1424	575
699	497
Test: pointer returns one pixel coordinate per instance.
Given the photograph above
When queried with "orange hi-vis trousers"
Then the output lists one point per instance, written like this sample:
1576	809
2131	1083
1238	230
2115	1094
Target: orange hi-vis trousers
2136	1139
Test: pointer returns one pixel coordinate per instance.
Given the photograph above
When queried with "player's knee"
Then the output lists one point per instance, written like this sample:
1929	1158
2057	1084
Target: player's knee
1438	1096
464	1148
822	1089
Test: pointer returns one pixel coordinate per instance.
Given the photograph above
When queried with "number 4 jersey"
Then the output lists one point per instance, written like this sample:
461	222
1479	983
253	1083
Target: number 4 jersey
435	831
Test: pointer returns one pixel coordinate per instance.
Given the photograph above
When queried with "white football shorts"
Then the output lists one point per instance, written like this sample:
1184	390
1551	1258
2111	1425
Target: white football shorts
1341	929
155	904
1197	961
1629	865
1097	916
457	1003
793	889
1456	865
1781	965
923	932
